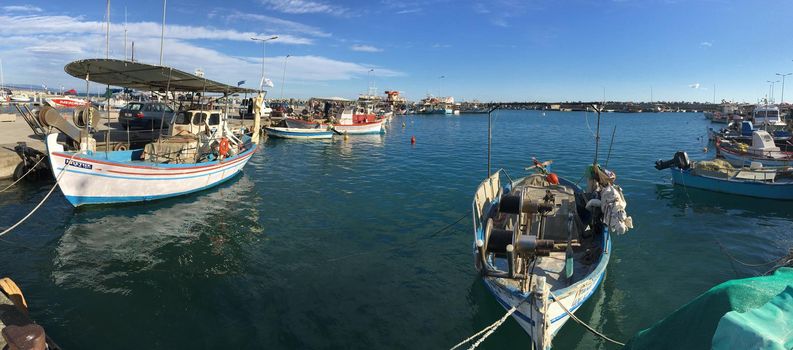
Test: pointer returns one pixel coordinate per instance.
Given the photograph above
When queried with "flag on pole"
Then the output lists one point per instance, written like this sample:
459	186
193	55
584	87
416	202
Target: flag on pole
239	83
268	82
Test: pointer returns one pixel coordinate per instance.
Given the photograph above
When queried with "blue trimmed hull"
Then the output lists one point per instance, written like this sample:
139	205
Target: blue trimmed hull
286	134
783	191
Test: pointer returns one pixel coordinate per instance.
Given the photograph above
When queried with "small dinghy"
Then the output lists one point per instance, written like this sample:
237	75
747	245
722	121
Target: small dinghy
720	176
298	133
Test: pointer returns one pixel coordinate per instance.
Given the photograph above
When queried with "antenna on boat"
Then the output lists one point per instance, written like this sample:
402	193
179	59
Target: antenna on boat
597	133
489	136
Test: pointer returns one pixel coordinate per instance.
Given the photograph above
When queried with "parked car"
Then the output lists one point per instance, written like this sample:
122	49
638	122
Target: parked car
280	110
145	115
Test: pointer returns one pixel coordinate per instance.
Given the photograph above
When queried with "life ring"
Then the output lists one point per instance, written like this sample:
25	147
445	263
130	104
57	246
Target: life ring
223	148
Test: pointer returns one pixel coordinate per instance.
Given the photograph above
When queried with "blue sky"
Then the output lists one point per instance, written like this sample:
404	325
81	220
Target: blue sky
500	50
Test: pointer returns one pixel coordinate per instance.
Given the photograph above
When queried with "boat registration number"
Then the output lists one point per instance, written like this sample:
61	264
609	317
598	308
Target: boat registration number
77	164
128	114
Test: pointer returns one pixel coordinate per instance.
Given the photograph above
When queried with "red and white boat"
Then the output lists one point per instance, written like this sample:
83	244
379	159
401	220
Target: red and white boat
352	123
65	102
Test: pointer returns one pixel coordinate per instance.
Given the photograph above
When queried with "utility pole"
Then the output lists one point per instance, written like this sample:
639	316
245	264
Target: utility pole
782	98
264	42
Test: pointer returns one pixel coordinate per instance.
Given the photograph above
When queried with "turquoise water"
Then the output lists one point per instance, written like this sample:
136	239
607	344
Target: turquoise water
335	244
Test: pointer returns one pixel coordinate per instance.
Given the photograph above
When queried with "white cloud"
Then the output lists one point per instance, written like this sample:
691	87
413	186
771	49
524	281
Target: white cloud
27	25
365	48
305	6
441	46
35	49
407	11
706	44
22	8
274	22
694	86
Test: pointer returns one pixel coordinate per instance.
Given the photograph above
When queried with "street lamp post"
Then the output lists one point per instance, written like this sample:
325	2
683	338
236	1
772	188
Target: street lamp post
369	81
782	98
283	78
264	41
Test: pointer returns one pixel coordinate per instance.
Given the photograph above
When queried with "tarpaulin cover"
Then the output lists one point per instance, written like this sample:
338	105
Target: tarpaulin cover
693	326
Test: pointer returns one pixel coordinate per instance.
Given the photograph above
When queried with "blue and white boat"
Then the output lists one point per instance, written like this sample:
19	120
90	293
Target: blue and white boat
298	133
753	181
197	152
542	244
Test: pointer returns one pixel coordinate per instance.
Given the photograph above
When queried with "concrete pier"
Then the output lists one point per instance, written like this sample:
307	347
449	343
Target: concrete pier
11	133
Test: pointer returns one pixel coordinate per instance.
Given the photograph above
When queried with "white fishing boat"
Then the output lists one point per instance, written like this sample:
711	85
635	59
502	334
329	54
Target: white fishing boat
198	152
542	244
763	150
298	133
20	98
767	114
358	122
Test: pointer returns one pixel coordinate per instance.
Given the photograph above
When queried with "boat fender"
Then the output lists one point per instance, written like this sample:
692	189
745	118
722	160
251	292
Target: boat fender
552	179
593	203
223	148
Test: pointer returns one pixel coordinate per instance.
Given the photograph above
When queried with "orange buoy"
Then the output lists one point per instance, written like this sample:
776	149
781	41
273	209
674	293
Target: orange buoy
552	179
412	140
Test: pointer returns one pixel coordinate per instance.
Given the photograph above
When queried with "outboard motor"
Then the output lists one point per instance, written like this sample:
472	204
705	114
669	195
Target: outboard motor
680	160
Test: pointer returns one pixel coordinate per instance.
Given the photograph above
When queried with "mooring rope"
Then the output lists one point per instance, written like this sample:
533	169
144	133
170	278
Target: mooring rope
57	180
588	327
23	176
727	253
489	329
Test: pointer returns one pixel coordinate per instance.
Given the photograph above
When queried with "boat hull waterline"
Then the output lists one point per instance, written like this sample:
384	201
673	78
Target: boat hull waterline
360	129
783	191
298	133
89	180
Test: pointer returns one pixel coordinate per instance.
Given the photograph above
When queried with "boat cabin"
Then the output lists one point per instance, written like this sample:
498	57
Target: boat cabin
768	115
762	143
196	121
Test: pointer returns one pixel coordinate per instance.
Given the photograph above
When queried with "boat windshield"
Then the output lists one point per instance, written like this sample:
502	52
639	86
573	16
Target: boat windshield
182	118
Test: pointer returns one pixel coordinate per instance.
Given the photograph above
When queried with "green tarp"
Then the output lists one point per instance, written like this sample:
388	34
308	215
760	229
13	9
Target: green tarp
693	326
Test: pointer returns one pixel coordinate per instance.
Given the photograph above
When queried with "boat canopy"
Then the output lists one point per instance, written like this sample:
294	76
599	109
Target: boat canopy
141	76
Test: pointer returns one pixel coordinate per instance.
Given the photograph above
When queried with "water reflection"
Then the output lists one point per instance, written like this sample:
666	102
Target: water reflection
709	202
194	235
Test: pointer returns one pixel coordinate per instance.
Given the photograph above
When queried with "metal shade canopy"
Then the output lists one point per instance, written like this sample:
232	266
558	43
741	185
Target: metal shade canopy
141	76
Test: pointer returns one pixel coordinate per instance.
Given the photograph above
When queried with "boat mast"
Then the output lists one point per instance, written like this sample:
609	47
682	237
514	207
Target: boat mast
162	35
489	136
107	32
2	79
125	33
597	135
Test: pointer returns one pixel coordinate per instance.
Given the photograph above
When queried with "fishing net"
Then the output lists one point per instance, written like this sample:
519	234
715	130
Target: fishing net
719	165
